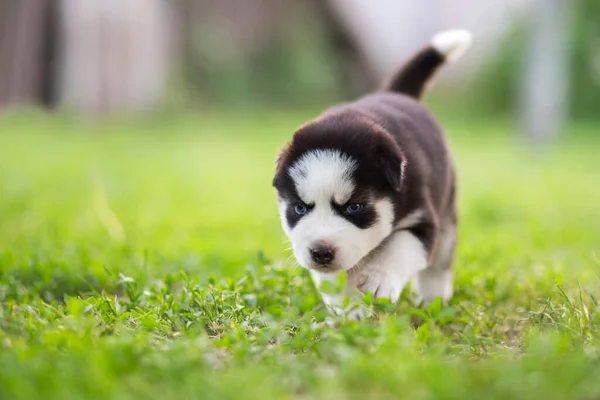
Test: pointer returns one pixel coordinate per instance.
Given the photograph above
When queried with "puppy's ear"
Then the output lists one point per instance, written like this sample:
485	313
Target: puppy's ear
279	165
393	170
391	162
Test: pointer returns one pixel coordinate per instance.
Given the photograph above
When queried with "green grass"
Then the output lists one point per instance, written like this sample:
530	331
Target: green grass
144	259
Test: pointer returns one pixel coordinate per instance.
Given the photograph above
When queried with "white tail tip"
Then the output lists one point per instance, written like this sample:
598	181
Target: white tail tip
453	43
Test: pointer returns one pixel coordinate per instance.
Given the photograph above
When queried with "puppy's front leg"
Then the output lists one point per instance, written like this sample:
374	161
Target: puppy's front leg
391	267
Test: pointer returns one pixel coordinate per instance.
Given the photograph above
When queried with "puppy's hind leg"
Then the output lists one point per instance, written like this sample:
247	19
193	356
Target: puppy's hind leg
437	279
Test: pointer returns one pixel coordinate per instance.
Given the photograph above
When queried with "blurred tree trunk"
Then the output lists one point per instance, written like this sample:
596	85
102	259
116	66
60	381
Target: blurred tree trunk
114	54
545	77
222	37
26	42
354	72
231	46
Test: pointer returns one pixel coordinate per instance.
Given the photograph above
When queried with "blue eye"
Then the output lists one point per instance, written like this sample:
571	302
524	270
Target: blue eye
354	208
300	209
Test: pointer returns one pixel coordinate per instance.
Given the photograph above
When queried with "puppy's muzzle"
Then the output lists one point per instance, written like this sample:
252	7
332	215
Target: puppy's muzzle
322	254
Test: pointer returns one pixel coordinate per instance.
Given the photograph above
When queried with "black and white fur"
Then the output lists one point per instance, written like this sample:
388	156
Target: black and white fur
368	187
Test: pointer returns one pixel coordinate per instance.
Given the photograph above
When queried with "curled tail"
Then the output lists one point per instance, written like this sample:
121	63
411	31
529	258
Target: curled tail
413	76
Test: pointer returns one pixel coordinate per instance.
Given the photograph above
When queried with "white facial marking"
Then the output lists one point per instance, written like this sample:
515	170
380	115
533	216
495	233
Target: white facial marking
321	175
282	209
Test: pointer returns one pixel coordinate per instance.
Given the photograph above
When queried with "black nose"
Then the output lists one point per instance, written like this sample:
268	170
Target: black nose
322	254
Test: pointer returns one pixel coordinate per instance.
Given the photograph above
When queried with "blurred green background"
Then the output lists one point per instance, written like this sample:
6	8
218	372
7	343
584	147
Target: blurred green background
141	253
116	59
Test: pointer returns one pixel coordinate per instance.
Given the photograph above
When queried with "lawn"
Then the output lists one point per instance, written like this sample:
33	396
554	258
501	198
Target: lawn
144	259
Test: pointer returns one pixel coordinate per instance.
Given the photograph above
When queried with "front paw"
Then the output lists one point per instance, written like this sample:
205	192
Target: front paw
381	284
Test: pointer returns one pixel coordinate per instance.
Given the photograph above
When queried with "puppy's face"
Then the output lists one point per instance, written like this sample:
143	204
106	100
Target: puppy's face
334	199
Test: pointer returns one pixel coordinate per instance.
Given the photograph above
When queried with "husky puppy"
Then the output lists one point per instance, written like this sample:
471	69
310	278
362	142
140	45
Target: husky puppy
368	187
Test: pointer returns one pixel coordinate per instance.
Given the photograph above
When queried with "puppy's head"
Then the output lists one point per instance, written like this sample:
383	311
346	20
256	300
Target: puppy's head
336	183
